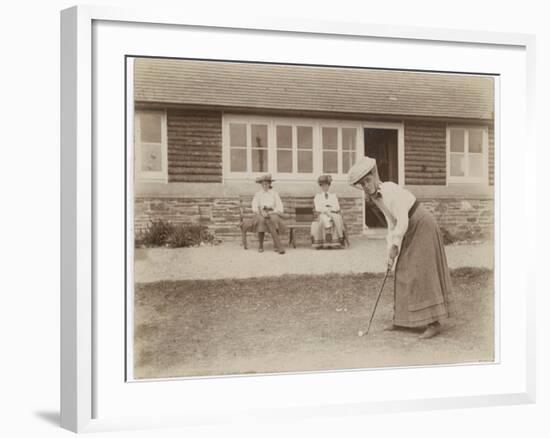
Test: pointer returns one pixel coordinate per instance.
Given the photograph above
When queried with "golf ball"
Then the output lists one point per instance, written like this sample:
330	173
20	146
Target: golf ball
360	333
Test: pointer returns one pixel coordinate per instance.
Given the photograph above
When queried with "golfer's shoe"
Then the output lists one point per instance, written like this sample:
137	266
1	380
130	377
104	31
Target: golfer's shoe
432	330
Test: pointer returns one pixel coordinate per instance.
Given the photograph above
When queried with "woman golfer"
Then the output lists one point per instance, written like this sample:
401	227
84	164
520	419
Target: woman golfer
422	281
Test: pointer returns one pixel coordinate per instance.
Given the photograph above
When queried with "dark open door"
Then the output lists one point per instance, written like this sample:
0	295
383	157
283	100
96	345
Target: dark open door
381	144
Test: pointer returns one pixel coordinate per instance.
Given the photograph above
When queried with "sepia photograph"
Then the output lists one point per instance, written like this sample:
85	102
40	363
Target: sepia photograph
293	218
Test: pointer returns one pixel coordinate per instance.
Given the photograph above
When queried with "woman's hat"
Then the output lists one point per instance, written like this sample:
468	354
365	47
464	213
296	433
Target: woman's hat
324	179
266	177
360	169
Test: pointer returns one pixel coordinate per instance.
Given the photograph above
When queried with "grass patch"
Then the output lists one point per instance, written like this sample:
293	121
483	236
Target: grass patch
301	280
296	323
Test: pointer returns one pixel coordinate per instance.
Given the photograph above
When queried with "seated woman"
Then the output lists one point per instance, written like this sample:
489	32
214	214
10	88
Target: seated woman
268	209
329	229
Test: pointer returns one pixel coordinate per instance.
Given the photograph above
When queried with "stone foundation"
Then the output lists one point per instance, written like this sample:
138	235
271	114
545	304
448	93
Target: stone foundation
463	219
459	219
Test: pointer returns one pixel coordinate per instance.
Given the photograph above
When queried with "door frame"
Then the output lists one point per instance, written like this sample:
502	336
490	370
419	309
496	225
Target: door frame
400	127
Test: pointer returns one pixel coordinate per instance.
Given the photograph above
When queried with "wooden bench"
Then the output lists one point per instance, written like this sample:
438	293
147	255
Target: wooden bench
304	217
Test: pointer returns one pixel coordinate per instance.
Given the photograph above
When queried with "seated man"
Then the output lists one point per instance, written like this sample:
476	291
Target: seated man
329	229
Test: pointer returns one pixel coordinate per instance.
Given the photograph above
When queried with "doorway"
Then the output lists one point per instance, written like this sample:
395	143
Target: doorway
382	145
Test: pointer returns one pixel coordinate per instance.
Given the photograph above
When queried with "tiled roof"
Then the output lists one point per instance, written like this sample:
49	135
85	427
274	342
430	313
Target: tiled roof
313	89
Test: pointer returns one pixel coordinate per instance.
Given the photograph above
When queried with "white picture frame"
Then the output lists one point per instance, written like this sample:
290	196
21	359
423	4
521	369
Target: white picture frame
82	273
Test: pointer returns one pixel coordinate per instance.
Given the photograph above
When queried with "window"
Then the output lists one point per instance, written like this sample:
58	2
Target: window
284	149
467	154
237	143
151	156
349	147
259	144
305	149
288	148
330	150
339	149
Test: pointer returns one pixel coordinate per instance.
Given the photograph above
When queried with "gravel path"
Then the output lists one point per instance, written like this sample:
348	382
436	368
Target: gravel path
229	260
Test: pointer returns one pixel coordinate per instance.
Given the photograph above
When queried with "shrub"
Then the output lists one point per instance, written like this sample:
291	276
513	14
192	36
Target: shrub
189	235
157	233
448	237
162	233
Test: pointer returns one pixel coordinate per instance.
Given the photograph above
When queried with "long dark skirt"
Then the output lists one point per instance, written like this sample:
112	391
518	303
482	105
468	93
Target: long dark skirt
422	280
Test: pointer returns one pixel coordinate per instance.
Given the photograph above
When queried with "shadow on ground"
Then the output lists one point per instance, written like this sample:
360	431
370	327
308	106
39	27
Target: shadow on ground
51	417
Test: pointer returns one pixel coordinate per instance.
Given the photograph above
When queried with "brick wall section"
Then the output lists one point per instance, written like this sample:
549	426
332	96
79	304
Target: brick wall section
194	146
425	153
463	219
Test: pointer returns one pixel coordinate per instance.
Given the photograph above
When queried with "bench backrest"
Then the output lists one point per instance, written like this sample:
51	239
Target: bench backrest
304	214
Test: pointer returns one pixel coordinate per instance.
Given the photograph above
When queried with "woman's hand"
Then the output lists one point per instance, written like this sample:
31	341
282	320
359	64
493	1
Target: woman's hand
392	254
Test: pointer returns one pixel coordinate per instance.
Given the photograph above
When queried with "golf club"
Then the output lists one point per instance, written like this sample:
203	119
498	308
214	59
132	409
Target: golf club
361	333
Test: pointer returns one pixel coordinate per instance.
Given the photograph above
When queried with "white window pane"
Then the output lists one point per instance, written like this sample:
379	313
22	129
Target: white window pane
457	165
457	140
238	160
348	159
330	162
151	157
259	160
475	141
151	127
330	138
284	161
348	138
284	137
305	137
475	165
237	135
305	161
258	136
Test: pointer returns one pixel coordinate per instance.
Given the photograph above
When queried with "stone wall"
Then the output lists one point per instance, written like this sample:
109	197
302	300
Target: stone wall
459	218
463	219
222	215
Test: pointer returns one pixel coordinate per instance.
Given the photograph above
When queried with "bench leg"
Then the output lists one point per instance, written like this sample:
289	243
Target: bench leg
292	240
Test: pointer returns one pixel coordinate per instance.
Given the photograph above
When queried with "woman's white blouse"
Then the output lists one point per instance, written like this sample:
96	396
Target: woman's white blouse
322	204
398	202
269	199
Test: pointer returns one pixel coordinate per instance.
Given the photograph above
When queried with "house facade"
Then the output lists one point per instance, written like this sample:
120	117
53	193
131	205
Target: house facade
204	130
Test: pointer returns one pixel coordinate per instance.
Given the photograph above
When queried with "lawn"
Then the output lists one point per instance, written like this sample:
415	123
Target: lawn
298	323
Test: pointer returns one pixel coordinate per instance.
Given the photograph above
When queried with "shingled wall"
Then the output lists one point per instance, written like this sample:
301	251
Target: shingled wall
425	153
194	146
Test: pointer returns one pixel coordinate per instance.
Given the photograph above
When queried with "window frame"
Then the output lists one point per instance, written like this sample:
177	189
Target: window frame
294	122
467	179
293	147
150	176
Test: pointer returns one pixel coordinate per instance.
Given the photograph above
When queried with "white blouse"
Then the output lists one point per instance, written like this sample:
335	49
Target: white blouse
269	199
324	203
396	205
